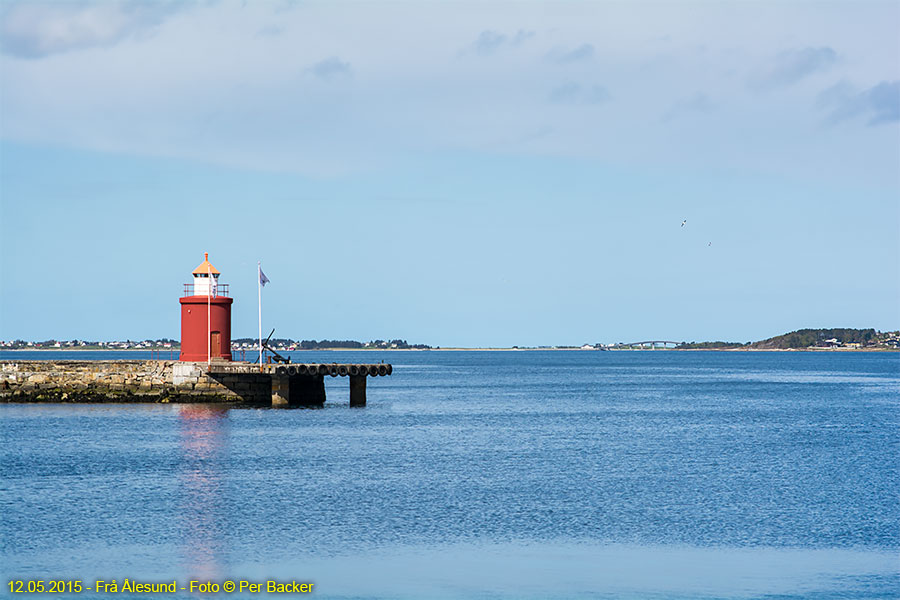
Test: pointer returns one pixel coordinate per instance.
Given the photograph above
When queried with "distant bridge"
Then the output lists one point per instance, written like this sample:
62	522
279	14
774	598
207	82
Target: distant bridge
651	344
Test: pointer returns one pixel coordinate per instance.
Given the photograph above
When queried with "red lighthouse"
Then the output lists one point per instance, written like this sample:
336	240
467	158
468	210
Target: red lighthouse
205	316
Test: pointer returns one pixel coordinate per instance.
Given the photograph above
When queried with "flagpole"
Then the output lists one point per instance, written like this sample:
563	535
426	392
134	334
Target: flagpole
259	293
208	322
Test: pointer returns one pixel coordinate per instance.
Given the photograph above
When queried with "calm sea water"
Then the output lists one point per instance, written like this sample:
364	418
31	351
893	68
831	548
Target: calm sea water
483	475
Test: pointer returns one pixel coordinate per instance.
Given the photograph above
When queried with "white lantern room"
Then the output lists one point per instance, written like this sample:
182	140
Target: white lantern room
204	277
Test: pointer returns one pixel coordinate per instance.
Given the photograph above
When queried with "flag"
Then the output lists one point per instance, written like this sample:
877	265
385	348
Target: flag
263	280
212	286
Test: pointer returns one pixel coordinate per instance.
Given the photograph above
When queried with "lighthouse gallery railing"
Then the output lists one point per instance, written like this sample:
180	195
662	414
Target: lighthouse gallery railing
221	290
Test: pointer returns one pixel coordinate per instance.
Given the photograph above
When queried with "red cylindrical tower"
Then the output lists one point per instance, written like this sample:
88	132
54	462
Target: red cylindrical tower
205	316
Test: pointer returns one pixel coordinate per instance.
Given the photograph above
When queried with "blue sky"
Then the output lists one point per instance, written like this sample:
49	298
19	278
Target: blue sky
452	173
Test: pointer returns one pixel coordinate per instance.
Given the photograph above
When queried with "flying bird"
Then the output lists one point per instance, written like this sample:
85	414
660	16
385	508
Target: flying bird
709	244
683	222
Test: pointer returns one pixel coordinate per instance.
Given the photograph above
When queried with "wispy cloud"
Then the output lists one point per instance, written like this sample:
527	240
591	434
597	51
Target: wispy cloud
699	103
522	36
790	66
884	102
489	41
202	85
36	30
879	104
330	68
581	53
270	31
575	93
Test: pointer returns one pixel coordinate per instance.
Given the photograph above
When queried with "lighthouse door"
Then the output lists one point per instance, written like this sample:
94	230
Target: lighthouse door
215	340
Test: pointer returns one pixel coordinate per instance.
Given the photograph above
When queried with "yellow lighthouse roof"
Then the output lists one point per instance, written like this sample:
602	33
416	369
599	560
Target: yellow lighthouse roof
205	267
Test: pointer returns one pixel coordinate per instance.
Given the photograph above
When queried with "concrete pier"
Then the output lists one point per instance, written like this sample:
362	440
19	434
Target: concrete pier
281	390
298	390
357	390
176	381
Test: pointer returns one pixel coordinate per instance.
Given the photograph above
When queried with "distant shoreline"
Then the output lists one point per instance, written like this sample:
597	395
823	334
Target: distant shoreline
162	352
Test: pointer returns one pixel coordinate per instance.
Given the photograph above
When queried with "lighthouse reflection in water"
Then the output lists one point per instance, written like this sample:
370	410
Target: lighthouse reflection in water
203	511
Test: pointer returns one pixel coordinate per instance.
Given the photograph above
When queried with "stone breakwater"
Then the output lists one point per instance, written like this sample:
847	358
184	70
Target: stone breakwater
128	381
176	381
